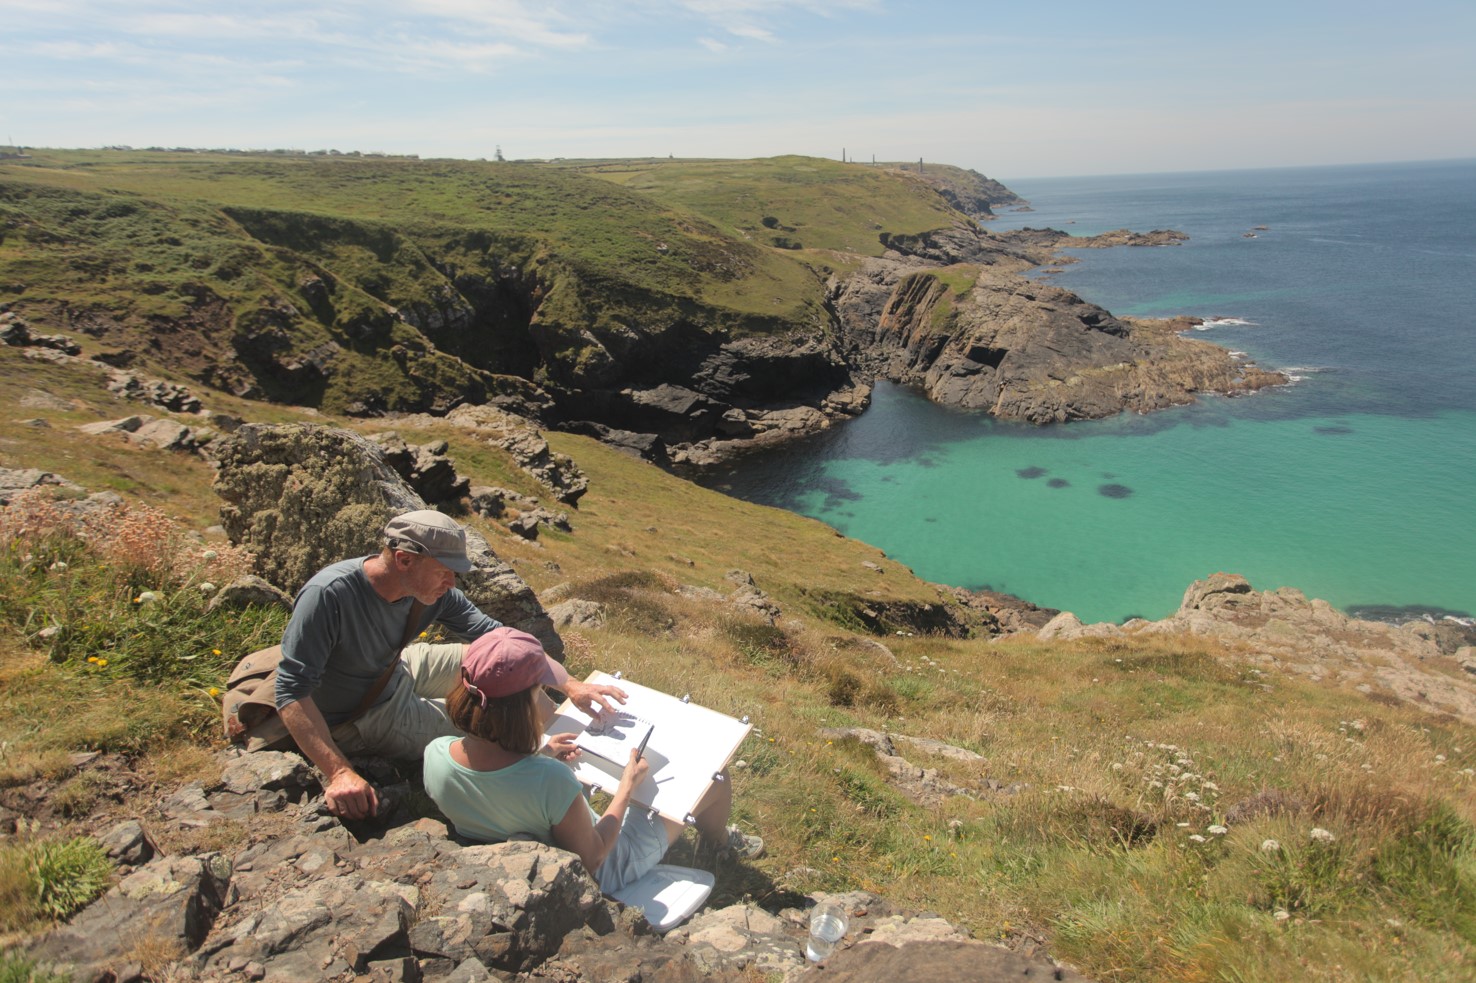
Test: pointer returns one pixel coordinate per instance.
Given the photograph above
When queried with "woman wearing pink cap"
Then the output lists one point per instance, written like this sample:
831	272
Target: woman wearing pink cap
493	785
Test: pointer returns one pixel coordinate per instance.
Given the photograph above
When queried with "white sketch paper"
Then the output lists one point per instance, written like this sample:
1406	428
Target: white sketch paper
689	745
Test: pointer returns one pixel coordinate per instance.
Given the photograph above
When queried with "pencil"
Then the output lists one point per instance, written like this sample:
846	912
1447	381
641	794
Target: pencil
642	749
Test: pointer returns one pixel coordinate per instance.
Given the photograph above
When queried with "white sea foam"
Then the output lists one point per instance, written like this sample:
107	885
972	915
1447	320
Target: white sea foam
1296	373
1225	322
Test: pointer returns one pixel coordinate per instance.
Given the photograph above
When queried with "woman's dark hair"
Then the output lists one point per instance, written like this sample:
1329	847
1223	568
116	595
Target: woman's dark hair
510	721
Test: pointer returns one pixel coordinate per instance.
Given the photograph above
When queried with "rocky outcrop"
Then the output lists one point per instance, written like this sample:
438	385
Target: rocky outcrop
153	433
922	785
302	897
1283	630
1024	350
966	190
301	497
1053	239
16	332
425	466
14	481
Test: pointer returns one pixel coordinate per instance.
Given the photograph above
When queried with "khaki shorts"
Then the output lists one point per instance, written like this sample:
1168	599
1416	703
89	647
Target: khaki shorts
414	714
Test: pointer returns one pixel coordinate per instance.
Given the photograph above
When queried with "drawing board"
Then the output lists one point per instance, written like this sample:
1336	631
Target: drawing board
688	746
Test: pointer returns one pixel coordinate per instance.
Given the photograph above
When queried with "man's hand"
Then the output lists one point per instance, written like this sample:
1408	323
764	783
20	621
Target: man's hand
349	796
562	746
593	698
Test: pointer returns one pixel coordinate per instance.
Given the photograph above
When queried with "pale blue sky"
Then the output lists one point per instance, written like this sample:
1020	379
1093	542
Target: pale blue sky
1013	90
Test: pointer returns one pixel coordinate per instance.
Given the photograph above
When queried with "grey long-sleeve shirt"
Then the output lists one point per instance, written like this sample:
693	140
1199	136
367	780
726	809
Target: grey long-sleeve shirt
342	635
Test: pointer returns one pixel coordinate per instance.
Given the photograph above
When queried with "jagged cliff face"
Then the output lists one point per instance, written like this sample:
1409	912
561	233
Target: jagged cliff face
1017	348
579	303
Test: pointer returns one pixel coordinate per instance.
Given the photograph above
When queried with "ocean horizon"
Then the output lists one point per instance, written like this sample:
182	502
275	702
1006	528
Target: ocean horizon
1352	484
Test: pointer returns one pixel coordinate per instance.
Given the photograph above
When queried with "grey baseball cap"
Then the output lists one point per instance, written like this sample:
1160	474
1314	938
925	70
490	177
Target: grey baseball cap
432	534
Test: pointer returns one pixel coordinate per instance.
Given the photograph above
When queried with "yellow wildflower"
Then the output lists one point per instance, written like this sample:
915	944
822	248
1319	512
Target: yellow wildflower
102	663
214	691
215	651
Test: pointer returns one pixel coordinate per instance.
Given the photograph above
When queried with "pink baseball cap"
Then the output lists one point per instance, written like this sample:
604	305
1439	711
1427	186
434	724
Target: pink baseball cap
506	661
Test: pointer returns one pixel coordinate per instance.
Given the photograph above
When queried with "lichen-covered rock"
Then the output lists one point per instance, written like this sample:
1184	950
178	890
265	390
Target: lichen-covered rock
250	591
24	479
164	908
1284	630
304	496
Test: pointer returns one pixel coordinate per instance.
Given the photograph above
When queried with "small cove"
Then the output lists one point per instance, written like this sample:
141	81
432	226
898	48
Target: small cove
1355	484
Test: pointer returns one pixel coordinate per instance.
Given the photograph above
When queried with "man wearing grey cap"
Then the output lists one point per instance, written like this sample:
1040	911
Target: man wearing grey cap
348	623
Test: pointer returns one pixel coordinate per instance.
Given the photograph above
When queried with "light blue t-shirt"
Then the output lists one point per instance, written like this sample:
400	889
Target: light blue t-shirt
529	797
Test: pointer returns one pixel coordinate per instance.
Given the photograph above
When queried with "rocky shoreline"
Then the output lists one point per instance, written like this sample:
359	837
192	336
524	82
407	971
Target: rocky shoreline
1017	348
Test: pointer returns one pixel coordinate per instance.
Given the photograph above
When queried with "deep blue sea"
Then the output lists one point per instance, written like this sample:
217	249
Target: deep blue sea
1355	484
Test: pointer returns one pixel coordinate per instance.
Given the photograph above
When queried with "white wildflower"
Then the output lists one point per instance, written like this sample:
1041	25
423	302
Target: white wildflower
1182	825
1281	914
1195	837
59	565
1192	796
1440	759
206	587
1218	830
147	597
209	555
1320	835
1209	787
1468	772
1270	846
1117	766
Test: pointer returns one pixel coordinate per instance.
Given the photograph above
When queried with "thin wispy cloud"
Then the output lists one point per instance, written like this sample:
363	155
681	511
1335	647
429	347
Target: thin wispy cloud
549	78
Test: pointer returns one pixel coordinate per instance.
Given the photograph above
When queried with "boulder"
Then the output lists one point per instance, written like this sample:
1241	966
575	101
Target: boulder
24	479
159	912
1286	630
425	466
922	785
249	591
1065	627
947	961
127	424
302	496
577	614
528	448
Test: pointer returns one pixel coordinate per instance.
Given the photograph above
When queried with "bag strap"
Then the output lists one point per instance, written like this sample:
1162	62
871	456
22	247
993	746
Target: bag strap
412	621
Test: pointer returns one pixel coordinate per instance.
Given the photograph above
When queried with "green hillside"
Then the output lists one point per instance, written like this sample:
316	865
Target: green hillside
321	280
788	202
1142	807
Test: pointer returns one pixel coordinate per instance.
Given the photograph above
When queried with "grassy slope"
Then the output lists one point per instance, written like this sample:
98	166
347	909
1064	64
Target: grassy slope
607	231
194	265
816	203
1109	739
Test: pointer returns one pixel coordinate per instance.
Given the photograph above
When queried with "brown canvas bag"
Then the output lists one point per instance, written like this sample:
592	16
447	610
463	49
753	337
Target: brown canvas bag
249	708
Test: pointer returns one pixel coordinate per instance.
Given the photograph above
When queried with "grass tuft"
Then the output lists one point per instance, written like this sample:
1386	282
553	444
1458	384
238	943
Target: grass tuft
50	879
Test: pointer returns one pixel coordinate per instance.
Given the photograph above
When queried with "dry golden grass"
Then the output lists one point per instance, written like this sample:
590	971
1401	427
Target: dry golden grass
1111	745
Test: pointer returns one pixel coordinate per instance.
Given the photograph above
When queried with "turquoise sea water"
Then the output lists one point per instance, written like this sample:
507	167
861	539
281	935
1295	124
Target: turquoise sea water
1356	484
